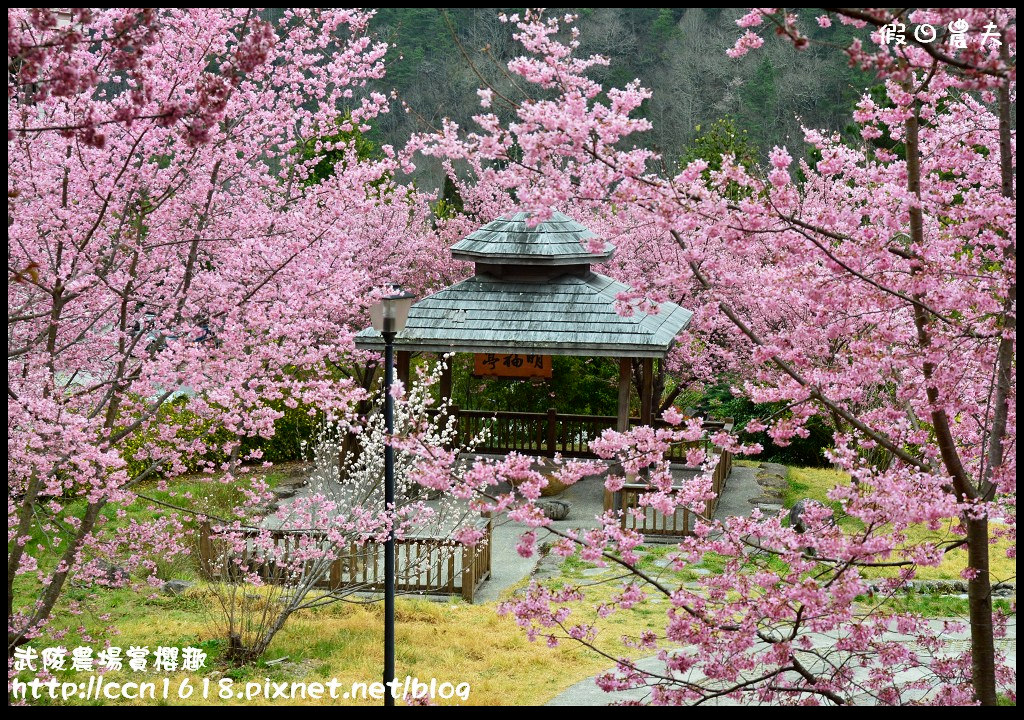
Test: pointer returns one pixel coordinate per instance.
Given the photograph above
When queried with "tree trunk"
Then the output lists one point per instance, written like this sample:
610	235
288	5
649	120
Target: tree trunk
979	587
979	597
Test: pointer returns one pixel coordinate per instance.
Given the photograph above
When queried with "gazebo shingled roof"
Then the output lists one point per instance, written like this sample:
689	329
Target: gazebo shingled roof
511	241
534	293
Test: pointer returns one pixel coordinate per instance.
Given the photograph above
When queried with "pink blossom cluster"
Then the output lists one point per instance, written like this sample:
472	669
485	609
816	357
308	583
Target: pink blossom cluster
176	268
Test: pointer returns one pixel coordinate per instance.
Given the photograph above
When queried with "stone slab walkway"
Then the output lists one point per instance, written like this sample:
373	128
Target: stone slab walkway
586	499
587	693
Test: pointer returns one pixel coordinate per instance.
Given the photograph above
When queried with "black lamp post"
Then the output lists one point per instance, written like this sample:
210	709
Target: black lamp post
388	317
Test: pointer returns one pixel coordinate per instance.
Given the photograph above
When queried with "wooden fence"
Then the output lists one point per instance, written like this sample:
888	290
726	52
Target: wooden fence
552	432
426	565
652	523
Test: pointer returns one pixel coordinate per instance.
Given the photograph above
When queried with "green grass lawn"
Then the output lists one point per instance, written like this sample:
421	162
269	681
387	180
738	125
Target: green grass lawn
451	641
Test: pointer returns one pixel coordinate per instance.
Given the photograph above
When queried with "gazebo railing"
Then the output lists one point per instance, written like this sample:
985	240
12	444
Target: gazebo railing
552	432
423	565
652	523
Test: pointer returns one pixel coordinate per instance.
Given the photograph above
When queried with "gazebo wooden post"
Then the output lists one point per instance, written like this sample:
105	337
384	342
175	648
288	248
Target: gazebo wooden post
445	388
622	422
446	379
625	375
647	391
402	367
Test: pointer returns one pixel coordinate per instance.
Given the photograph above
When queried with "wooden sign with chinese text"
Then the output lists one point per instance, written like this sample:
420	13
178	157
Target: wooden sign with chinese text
511	365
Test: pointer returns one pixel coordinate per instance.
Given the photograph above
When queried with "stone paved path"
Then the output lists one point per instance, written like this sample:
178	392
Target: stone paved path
586	499
587	693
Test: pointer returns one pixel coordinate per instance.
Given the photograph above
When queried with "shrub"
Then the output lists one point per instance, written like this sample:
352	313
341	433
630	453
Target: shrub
719	402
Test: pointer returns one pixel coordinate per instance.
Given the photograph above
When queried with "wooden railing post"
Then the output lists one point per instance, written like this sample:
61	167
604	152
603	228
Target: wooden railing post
334	582
552	431
486	550
490	533
468	573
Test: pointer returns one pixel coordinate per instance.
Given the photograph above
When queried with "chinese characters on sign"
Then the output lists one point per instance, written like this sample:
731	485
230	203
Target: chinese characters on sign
511	365
56	658
896	33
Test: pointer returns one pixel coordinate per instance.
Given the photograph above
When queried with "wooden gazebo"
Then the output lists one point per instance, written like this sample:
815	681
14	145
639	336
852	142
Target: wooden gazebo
534	293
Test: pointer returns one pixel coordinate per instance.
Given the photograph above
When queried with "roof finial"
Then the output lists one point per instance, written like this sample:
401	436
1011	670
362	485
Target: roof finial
510	240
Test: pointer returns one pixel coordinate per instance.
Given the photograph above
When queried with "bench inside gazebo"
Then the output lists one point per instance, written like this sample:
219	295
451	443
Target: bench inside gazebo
534	295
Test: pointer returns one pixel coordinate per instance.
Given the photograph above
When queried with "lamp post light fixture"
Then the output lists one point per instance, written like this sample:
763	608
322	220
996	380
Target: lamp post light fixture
388	317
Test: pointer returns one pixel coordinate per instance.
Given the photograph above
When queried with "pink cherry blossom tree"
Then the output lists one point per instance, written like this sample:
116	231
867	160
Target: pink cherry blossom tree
166	240
874	286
